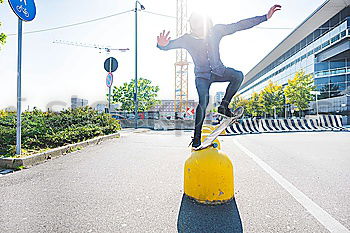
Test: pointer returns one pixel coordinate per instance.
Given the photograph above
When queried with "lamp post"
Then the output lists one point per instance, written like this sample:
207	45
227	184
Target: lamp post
316	93
137	4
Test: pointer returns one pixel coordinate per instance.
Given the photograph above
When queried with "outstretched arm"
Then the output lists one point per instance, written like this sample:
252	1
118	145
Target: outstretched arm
227	29
164	42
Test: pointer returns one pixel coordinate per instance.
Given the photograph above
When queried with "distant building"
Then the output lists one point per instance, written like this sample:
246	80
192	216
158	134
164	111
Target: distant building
167	108
103	107
77	102
218	97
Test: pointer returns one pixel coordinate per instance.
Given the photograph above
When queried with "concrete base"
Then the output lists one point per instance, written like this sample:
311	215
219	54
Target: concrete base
14	163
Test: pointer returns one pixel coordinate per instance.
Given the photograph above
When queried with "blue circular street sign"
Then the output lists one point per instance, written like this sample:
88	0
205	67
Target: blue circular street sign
24	9
109	80
111	64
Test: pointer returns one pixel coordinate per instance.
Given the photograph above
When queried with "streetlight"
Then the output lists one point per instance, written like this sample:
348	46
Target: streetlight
316	93
137	4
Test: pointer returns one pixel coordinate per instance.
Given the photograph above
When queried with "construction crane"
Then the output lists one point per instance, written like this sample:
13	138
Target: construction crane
181	64
107	49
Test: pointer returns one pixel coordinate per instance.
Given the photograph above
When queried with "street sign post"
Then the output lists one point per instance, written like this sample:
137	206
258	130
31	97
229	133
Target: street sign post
109	82
110	65
26	11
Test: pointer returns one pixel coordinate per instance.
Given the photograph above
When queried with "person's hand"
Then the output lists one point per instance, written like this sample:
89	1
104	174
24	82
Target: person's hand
163	39
273	10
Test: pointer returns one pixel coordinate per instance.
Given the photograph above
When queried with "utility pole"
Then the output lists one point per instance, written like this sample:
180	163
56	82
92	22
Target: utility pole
137	3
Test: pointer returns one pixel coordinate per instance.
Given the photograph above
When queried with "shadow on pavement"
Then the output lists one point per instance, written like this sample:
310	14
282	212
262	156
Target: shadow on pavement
194	217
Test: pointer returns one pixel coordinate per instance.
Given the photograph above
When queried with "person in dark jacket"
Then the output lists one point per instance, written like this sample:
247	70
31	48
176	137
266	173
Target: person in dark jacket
203	46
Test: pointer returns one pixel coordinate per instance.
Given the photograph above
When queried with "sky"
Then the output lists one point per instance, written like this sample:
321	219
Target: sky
53	73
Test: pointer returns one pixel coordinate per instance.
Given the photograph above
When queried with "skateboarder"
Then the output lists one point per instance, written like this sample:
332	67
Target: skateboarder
203	45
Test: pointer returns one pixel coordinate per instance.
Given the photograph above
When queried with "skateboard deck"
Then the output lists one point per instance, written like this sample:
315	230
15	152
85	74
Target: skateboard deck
208	141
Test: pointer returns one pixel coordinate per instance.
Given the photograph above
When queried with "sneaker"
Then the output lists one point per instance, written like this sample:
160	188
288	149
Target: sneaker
225	111
196	142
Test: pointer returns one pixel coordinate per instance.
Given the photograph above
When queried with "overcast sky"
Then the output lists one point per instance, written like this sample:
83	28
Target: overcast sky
54	72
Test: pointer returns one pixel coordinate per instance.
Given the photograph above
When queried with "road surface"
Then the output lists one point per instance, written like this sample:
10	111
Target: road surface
292	182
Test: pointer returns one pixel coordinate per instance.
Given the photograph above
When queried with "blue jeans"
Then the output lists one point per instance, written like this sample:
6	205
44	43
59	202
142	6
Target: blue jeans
231	75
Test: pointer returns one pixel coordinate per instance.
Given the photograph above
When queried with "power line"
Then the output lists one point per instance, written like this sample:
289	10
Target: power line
154	13
113	15
72	25
169	16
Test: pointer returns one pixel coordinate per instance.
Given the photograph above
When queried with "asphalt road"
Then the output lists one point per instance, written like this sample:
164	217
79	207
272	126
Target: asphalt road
294	182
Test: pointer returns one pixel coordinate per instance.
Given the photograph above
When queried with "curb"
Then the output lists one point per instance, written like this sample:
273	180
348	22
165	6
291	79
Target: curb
14	163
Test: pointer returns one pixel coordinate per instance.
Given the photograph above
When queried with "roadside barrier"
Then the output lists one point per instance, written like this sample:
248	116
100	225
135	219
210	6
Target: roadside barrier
251	125
314	125
234	129
331	122
269	125
323	123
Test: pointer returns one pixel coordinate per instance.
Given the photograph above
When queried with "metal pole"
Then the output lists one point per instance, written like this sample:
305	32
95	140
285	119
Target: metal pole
135	94
109	88
316	106
19	95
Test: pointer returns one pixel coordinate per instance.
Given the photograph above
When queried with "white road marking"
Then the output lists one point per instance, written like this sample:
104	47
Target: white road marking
321	215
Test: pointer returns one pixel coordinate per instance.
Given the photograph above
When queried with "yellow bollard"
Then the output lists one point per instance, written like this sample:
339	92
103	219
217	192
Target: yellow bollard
208	176
206	130
216	141
223	133
212	127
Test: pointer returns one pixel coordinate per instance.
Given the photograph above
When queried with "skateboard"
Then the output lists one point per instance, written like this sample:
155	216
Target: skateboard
208	141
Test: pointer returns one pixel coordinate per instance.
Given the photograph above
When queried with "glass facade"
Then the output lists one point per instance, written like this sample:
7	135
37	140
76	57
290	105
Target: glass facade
331	77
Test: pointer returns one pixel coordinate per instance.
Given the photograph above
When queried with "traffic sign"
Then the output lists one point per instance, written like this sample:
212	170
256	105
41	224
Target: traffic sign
109	80
24	9
111	64
190	111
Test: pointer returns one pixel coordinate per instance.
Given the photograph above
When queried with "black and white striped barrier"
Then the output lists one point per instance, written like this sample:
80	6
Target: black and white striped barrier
269	125
331	122
323	123
234	129
250	126
314	125
245	126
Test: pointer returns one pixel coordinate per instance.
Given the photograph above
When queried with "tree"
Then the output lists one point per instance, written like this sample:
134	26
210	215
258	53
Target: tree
146	95
298	91
271	99
253	106
237	101
2	35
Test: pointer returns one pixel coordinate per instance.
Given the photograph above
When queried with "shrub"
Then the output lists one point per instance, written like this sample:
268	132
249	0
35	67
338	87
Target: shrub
42	130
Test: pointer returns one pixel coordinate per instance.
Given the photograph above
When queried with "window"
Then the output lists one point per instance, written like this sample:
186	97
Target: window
321	66
341	86
338	79
325	44
335	20
337	64
343	34
303	44
322	88
334	39
321	81
310	38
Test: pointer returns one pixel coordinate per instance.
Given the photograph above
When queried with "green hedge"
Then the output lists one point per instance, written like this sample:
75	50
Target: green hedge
43	130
